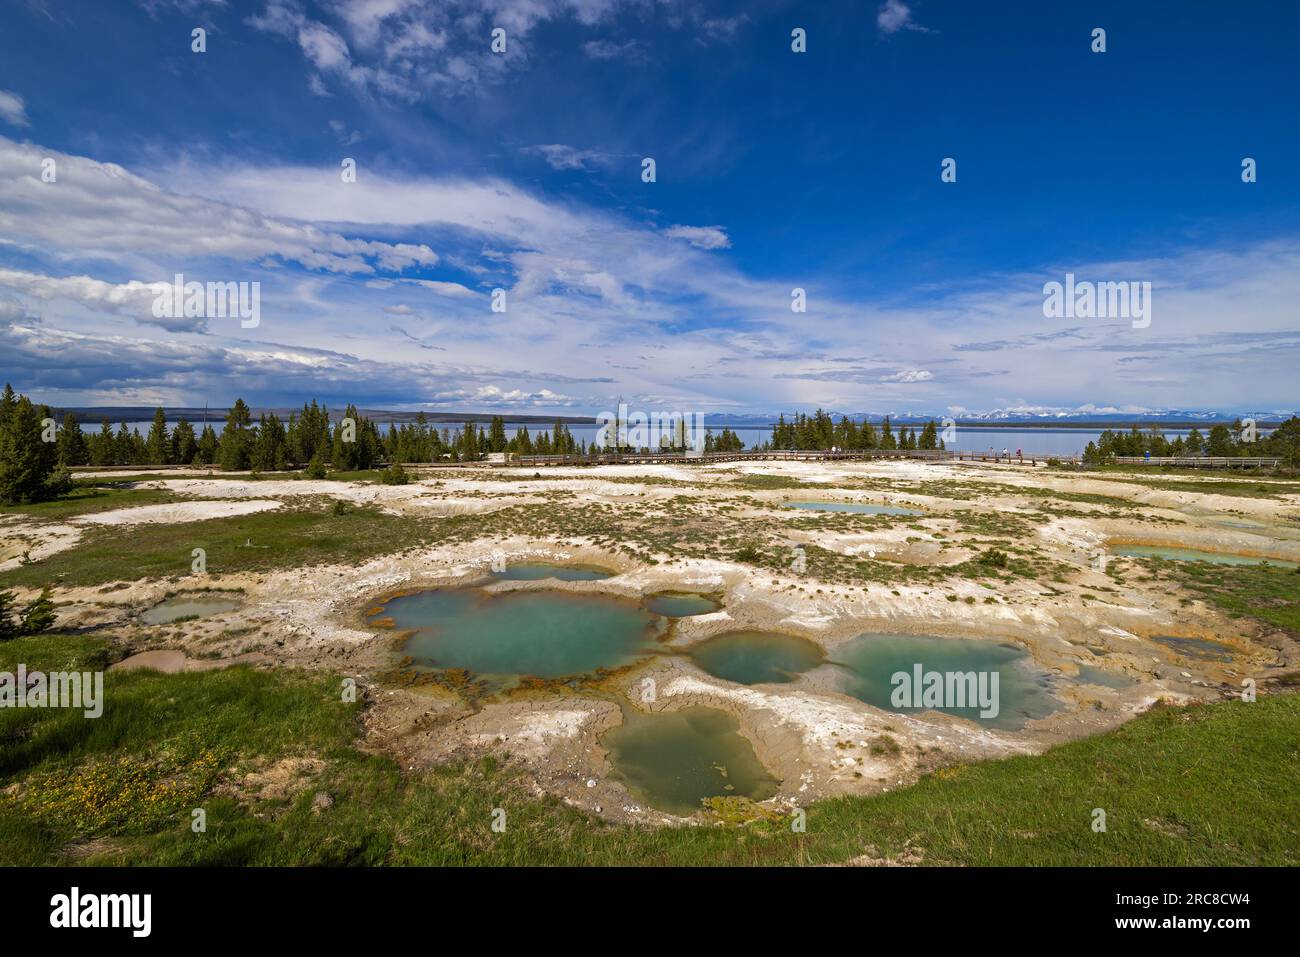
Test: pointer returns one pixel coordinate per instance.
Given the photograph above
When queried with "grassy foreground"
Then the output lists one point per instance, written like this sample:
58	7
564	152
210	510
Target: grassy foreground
287	537
1209	784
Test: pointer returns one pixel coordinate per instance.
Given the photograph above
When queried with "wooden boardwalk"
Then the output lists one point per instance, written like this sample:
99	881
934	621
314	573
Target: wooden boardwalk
925	455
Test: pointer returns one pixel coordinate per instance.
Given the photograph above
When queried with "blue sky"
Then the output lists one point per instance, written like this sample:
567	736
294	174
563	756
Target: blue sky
775	170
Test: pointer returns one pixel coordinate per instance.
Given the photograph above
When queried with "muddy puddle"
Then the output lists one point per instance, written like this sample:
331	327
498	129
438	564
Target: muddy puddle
182	607
854	507
681	604
674	760
1201	649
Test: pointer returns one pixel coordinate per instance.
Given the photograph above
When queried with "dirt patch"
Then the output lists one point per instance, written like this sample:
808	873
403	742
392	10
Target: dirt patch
175	662
175	512
279	781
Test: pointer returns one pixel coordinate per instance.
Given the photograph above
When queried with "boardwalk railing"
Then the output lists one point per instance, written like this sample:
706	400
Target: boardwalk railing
776	455
1203	461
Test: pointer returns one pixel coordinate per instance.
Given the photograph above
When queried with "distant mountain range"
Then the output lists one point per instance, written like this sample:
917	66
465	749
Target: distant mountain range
1021	418
141	413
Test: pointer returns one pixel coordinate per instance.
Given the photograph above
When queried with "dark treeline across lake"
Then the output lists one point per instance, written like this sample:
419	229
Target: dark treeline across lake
1035	440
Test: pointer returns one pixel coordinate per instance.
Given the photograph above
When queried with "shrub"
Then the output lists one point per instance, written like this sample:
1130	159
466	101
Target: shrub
8	628
995	558
39	615
395	475
315	468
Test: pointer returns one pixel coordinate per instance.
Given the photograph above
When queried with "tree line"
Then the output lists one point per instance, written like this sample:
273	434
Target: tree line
819	432
36	454
1221	441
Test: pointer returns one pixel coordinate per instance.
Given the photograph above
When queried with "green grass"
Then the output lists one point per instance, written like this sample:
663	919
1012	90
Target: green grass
87	499
283	538
1267	593
770	482
1201	785
1250	485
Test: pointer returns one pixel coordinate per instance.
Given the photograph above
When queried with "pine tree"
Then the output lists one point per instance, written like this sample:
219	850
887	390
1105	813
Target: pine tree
497	435
887	440
25	461
183	444
38	616
72	443
159	445
206	451
123	449
268	453
101	445
236	439
8	626
1220	441
346	448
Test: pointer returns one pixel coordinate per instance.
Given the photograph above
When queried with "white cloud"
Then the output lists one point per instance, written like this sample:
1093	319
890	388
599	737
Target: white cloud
909	375
561	157
101	211
134	298
896	15
341	131
606	303
453	289
408	49
12	109
702	237
628	51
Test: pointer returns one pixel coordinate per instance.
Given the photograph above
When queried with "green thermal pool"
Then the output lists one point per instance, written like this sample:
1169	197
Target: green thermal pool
1196	555
543	634
871	662
537	571
756	657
